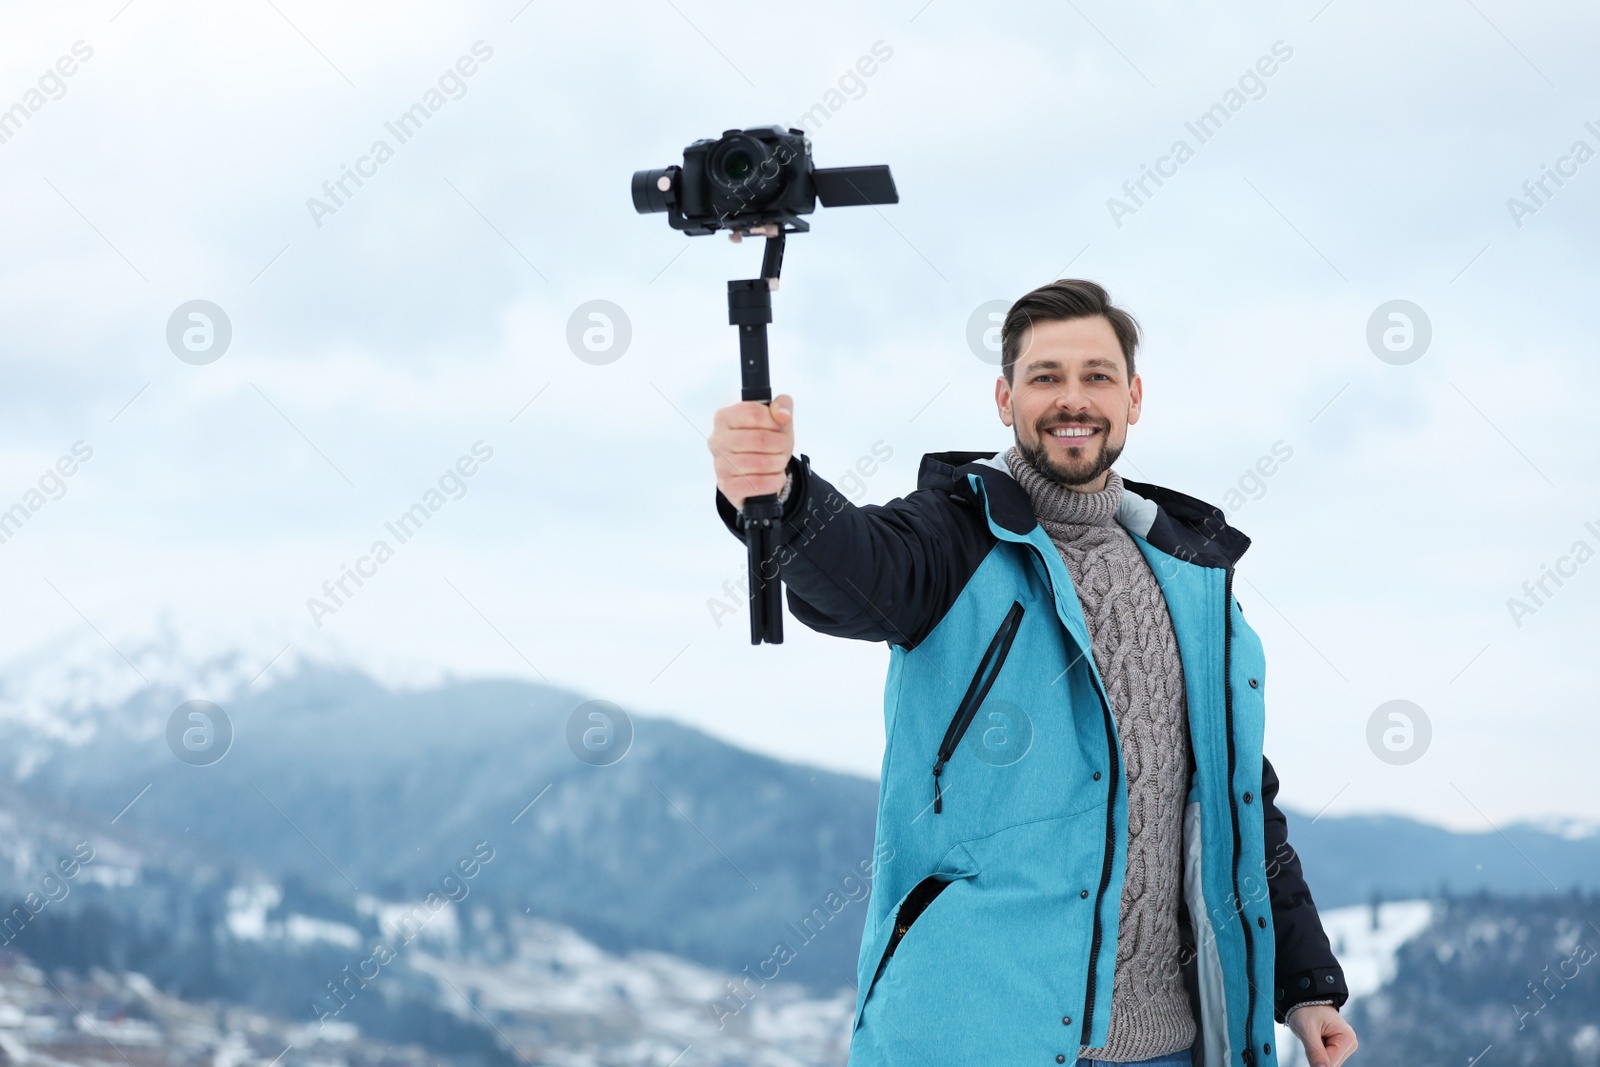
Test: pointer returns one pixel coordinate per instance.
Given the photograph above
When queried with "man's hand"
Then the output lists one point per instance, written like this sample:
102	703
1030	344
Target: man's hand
750	444
1328	1039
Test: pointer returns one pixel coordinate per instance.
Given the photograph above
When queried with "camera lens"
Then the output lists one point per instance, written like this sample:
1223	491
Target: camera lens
737	164
744	169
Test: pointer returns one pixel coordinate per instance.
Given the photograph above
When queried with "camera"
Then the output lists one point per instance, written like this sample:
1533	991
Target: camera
754	177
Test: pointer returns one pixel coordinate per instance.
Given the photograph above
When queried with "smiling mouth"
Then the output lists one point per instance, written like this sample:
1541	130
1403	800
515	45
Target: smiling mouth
1073	436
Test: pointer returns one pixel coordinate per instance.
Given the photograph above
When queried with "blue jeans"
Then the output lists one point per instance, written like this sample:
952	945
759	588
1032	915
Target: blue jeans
1181	1058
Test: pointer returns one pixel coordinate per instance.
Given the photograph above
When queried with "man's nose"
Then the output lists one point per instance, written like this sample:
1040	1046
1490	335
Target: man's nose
1071	397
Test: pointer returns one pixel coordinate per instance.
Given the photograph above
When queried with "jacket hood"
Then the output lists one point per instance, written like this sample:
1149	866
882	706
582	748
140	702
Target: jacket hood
1173	522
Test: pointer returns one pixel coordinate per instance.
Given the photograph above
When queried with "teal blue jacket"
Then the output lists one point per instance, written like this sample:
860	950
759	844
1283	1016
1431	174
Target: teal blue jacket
1002	816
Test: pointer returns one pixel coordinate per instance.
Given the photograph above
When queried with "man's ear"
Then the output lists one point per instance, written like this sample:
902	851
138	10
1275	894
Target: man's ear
1135	399
1002	399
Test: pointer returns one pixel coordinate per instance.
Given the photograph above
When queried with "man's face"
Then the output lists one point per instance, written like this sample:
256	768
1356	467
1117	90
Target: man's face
1071	401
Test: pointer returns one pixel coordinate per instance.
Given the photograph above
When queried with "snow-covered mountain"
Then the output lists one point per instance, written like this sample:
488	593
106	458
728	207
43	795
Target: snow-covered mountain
619	903
556	999
686	845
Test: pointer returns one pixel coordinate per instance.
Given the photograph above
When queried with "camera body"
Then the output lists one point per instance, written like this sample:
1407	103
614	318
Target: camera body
753	177
753	174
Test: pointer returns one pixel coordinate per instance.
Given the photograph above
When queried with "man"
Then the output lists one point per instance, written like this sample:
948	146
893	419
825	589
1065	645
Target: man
1083	858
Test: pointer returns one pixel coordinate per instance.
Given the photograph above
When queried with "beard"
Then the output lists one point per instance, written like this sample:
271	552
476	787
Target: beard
1072	472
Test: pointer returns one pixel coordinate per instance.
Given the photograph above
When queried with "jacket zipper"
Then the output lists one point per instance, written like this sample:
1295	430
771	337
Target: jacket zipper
1115	758
982	680
1233	811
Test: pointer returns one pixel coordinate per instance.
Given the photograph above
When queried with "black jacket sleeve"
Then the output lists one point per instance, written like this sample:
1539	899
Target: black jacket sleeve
1306	967
875	572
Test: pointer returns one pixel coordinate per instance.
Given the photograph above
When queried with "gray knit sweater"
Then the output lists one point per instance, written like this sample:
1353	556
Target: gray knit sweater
1136	651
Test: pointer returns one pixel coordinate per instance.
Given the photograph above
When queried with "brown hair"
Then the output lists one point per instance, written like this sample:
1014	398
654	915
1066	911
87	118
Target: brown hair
1069	298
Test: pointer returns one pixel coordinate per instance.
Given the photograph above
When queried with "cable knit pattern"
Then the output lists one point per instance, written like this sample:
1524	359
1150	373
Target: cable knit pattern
1136	651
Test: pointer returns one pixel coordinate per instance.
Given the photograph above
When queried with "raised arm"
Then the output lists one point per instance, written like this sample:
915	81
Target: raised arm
873	572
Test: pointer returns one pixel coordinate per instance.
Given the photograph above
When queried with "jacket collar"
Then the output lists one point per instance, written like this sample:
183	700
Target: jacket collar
1179	525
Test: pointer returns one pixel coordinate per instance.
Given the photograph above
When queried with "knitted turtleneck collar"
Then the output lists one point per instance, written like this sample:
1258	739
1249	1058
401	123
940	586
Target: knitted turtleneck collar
1057	503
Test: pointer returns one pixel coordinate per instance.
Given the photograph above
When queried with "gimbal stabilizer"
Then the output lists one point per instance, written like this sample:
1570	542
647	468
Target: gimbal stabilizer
756	182
750	309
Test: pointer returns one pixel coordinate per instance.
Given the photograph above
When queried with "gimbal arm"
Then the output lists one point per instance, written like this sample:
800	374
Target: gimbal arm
750	309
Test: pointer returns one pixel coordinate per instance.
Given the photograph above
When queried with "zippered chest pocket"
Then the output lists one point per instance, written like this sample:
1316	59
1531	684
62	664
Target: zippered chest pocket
983	679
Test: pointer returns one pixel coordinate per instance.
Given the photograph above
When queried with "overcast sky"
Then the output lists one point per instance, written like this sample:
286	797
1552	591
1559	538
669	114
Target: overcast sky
378	337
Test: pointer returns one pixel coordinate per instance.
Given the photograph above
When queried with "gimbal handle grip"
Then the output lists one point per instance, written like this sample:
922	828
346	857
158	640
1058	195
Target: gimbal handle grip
750	309
763	534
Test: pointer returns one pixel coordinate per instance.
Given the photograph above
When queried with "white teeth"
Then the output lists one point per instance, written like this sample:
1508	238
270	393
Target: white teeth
1071	431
